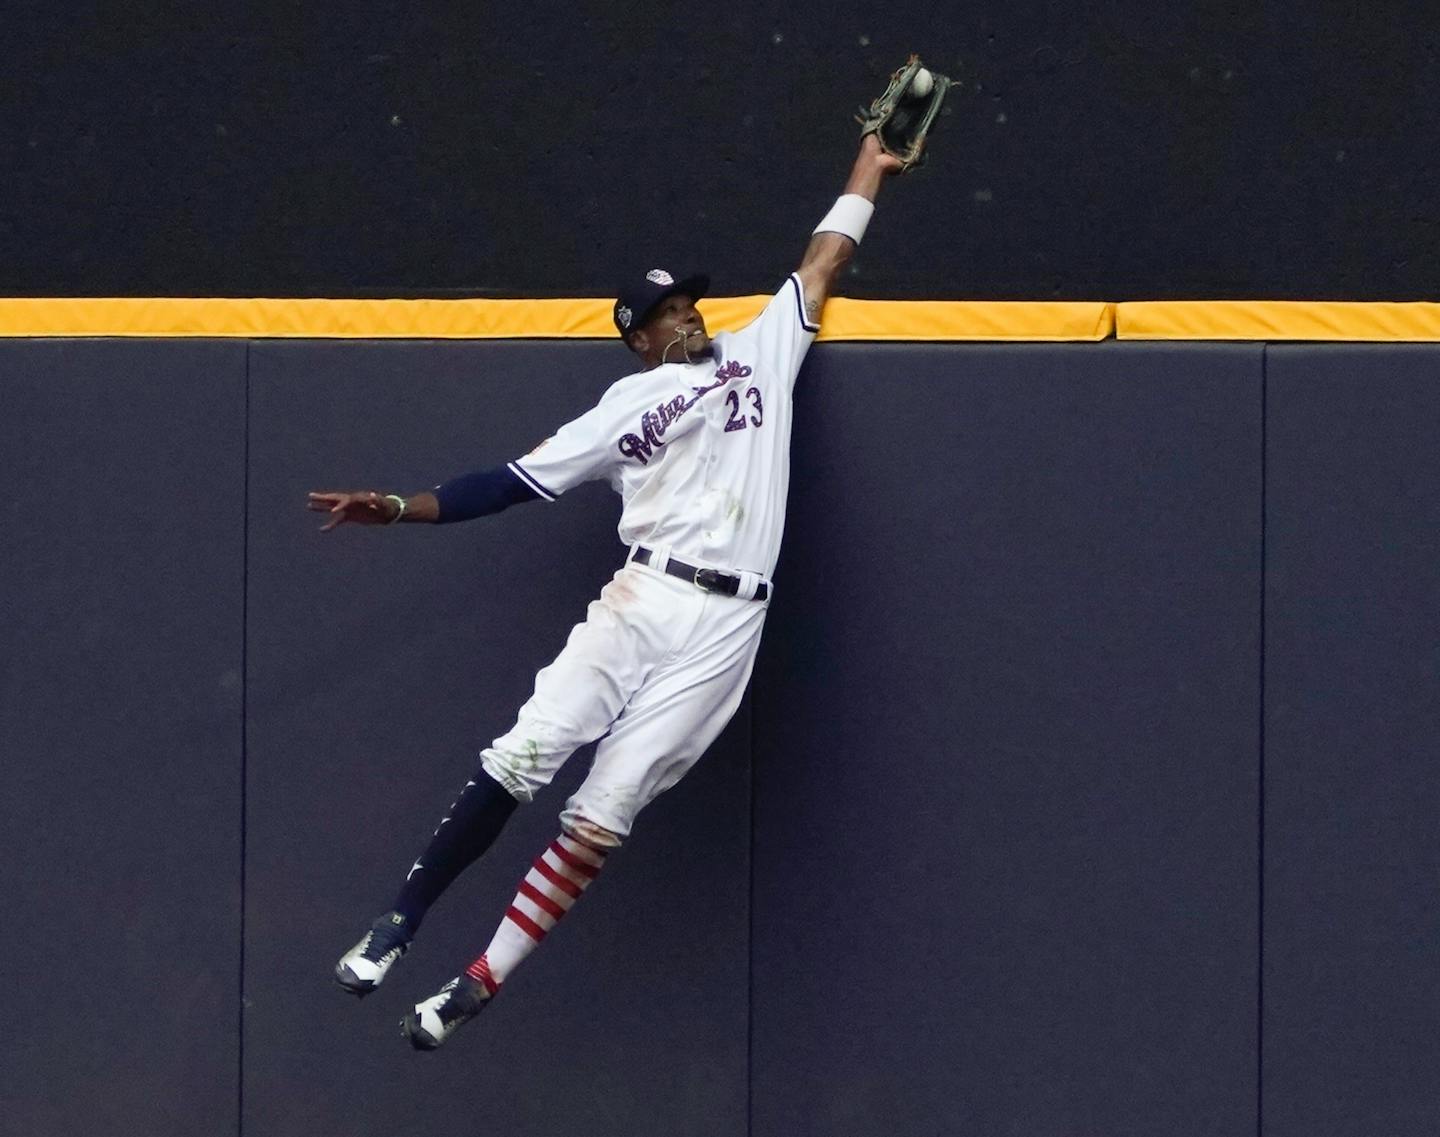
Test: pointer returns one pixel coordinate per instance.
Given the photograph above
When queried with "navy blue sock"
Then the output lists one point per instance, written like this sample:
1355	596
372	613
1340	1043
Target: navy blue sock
471	826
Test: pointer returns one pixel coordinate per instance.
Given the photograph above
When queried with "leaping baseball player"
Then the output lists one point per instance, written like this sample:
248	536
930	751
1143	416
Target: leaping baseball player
697	444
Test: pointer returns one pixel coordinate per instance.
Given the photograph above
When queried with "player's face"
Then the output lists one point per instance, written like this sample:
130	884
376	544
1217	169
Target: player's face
676	330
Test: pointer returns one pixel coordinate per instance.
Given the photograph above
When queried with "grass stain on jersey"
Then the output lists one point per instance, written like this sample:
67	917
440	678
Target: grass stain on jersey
531	758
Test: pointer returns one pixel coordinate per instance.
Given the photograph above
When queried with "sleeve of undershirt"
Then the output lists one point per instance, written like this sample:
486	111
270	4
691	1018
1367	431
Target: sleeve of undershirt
480	494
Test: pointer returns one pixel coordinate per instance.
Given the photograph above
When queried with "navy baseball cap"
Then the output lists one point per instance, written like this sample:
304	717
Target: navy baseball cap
639	299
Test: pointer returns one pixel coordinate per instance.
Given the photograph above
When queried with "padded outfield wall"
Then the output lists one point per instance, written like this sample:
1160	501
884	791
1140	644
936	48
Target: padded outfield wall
1086	784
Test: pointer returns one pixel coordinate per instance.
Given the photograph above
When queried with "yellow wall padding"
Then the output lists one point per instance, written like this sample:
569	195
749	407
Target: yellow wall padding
307	319
952	320
845	319
1277	320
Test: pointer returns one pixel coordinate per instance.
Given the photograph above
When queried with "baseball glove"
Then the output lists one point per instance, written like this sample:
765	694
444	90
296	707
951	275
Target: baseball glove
903	115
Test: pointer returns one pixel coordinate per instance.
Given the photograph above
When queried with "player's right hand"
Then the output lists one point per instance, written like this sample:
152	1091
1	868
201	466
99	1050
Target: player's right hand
365	507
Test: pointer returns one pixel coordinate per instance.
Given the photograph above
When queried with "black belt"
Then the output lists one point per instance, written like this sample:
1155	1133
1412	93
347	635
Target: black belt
711	580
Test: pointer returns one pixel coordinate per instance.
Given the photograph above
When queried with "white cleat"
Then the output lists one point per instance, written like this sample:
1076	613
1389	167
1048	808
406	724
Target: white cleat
445	1012
363	967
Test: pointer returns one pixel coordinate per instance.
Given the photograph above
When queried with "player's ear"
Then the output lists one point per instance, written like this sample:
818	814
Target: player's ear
638	342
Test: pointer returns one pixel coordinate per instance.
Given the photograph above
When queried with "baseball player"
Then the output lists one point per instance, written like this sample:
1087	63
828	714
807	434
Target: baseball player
697	444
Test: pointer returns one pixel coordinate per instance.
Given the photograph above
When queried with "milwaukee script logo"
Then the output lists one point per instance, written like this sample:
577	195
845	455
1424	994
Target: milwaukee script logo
733	370
654	424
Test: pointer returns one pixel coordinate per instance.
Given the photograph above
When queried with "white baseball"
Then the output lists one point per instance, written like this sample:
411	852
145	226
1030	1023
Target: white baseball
920	85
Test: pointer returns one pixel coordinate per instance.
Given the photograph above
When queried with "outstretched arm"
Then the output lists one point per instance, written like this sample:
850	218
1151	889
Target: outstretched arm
460	499
829	252
370	507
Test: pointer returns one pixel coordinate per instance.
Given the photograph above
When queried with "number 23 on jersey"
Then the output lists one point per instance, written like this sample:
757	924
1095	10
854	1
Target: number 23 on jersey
741	414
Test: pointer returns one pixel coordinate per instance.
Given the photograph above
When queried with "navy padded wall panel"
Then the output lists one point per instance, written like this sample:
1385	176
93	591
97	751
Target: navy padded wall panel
1007	728
120	721
381	662
1352	783
1007	747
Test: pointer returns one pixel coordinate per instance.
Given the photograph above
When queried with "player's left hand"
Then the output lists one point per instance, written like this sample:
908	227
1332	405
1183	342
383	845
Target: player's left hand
363	508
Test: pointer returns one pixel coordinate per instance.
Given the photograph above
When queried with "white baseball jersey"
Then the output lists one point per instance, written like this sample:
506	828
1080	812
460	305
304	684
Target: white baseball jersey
699	452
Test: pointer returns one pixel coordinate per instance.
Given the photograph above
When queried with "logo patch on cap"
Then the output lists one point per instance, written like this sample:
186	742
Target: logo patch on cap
624	315
659	276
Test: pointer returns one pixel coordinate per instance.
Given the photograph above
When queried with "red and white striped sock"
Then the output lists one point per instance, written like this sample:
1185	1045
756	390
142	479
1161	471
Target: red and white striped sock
555	881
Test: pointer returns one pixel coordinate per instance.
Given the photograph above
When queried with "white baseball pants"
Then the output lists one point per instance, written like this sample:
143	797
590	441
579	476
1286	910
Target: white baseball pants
658	663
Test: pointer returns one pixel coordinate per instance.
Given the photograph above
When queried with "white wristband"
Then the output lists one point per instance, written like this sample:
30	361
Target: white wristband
848	216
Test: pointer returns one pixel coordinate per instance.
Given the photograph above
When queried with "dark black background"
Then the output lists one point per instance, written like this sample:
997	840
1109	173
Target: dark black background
1108	151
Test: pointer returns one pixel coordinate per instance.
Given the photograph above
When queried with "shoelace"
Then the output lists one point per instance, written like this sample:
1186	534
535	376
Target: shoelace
383	945
458	1005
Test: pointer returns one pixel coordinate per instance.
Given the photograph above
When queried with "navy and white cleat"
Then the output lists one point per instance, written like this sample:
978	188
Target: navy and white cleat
363	967
438	1017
